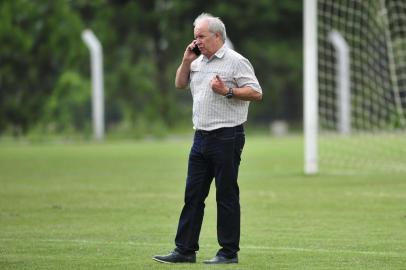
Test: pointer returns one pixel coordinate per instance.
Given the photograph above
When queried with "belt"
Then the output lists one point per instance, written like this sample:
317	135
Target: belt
239	128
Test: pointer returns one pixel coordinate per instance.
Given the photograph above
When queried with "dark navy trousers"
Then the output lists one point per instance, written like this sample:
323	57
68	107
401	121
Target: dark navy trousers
214	154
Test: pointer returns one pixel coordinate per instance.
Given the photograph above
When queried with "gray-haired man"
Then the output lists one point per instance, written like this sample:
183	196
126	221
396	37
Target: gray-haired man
222	83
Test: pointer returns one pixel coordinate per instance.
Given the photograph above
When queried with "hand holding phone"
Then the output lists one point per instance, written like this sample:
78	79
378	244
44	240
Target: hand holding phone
196	50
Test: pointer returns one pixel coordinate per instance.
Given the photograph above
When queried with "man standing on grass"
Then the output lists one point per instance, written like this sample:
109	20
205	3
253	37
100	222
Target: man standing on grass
222	83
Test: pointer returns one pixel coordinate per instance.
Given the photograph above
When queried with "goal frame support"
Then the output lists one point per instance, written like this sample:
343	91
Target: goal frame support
96	60
310	91
342	52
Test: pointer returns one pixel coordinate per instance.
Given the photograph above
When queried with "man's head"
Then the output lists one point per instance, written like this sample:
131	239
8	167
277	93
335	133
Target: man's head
210	33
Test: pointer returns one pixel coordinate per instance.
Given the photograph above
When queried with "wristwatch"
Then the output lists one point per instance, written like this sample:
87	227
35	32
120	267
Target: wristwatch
230	93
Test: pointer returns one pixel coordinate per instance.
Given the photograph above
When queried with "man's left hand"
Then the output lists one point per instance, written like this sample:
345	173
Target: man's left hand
218	86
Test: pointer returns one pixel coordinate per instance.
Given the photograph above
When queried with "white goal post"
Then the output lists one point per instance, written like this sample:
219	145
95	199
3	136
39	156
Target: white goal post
310	86
354	85
96	60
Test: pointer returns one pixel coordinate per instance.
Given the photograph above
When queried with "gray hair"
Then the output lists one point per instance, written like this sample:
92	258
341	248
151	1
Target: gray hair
215	24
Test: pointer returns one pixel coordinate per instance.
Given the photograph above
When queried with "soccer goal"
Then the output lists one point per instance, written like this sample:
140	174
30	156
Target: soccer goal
354	86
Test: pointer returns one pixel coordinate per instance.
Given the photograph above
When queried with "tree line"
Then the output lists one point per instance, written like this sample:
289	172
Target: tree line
45	71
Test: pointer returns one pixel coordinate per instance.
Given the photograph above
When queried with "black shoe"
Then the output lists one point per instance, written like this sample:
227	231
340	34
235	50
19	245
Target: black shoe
175	257
218	259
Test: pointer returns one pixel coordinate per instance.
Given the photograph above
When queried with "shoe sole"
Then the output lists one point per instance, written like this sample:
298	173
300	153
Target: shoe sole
220	262
229	261
162	261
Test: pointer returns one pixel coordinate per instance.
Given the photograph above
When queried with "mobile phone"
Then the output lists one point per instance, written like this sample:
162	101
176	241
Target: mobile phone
196	50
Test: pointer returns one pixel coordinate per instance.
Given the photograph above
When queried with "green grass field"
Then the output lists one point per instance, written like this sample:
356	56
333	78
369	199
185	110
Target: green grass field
115	205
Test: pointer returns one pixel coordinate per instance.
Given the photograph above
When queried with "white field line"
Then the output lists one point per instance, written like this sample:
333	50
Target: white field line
250	247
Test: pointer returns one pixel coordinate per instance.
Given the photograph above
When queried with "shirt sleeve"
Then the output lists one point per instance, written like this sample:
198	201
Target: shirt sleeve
245	75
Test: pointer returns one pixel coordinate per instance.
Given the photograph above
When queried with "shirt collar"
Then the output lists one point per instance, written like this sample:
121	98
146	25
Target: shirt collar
219	54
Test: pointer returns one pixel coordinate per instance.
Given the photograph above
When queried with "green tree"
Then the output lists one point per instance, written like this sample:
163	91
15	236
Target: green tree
143	42
38	42
68	108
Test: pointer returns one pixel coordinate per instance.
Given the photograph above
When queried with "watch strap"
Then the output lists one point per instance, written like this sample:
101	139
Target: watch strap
230	93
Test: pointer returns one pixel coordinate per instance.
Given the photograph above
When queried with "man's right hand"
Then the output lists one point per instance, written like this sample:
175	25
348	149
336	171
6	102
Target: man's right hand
182	74
189	56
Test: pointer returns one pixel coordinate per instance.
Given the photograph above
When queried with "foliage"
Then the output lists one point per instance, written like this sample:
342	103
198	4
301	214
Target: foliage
143	42
68	108
38	43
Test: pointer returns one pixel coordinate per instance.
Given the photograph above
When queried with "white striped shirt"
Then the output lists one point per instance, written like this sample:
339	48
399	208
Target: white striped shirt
211	110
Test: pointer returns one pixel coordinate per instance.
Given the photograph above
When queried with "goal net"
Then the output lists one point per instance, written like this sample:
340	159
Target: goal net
361	85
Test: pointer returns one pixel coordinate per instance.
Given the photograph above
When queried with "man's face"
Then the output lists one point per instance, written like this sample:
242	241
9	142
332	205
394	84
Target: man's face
207	42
